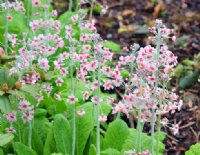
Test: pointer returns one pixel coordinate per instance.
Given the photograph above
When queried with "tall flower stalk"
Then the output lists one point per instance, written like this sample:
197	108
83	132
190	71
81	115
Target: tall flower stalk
158	44
72	88
6	26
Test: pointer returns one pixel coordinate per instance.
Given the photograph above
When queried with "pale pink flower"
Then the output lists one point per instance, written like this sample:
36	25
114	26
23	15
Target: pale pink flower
59	82
36	2
10	130
108	85
102	118
175	128
44	63
96	100
81	112
72	99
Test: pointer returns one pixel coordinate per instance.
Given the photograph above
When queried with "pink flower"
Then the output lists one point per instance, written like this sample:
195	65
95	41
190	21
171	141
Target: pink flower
96	100
102	118
11	116
24	105
81	112
74	18
43	63
63	72
72	99
36	2
10	18
54	13
57	64
57	96
92	66
59	82
175	129
173	38
108	85
85	95
10	130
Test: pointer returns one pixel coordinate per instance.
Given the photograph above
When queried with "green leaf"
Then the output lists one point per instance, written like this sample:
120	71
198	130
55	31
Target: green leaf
112	46
194	150
1	152
17	93
5	105
189	79
56	154
84	127
110	151
124	73
161	135
130	142
116	134
93	150
22	149
5	139
3	75
178	70
50	144
31	89
63	134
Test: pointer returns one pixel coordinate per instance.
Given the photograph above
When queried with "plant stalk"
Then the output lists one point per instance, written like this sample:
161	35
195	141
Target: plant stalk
6	27
91	10
73	105
70	5
98	111
158	44
30	134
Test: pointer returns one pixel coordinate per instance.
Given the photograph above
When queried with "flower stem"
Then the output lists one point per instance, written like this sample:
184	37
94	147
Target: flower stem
157	146
30	134
70	5
6	27
91	9
158	44
73	105
139	130
98	108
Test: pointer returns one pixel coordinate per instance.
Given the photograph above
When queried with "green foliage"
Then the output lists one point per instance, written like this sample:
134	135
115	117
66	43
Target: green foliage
5	139
112	46
22	149
5	106
110	151
116	135
92	150
130	142
189	79
84	127
194	150
50	144
63	134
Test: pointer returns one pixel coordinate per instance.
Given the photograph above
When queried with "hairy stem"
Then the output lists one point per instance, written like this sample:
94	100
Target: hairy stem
73	105
139	130
70	5
6	27
91	9
98	110
158	44
30	134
